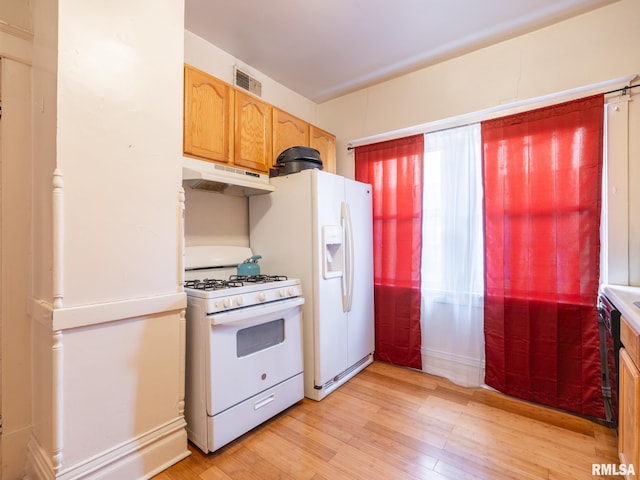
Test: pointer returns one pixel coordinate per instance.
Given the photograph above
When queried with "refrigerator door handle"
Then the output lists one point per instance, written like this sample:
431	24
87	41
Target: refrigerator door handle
344	280
346	302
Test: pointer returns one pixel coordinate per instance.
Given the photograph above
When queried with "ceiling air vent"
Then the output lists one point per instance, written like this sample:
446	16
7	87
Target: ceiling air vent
250	84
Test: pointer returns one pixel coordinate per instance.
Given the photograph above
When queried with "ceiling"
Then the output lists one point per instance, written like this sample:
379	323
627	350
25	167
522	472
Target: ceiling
323	49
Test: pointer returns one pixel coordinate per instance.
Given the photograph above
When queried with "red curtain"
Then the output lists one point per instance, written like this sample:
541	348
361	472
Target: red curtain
542	184
394	169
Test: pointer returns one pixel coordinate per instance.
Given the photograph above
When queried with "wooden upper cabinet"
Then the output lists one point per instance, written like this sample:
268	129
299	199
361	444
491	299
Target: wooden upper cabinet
208	116
228	125
288	131
252	132
325	143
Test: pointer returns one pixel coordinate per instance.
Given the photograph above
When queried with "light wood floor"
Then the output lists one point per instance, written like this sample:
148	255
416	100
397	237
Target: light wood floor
392	423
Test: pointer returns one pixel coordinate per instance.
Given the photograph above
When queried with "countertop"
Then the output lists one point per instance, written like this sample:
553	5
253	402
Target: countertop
623	297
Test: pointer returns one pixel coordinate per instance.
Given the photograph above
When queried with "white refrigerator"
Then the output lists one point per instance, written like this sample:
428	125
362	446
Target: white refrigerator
317	226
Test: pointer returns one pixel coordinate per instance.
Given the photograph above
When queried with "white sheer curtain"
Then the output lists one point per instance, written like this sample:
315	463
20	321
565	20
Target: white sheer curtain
452	256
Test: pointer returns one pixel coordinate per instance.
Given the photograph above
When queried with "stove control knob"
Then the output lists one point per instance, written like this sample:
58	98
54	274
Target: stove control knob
226	302
239	300
282	293
261	297
292	291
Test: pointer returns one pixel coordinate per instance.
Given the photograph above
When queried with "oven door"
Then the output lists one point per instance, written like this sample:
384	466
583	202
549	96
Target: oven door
609	326
260	347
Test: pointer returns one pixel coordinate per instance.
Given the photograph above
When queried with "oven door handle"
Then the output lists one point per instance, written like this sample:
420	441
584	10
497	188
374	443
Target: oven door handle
251	314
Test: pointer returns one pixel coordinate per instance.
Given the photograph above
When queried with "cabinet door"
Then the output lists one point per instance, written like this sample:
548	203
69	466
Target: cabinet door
252	132
629	414
288	131
208	116
325	143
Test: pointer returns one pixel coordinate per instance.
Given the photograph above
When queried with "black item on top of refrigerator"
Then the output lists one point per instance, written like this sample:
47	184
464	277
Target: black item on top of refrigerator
296	159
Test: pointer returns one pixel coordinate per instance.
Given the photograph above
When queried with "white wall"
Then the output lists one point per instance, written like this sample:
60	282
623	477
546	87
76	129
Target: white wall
212	218
15	265
17	14
44	113
15	232
211	59
108	307
118	145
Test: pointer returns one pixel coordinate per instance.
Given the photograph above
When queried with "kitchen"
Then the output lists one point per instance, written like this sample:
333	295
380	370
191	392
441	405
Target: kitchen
431	94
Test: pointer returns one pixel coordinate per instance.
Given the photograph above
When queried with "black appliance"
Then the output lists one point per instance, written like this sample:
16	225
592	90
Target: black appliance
609	327
296	159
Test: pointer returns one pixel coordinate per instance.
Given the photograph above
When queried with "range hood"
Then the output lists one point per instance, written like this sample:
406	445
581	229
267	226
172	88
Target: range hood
215	177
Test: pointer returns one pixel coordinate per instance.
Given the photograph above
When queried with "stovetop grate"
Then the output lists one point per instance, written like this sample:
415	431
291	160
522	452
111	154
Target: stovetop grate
257	278
211	284
233	281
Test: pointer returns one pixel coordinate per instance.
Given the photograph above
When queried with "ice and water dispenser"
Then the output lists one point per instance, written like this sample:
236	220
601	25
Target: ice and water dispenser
332	253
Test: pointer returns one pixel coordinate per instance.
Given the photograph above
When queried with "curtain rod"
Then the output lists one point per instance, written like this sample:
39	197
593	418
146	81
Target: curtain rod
473	117
623	89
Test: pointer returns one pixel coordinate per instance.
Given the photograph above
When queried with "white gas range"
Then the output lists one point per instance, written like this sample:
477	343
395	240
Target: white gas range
244	346
241	291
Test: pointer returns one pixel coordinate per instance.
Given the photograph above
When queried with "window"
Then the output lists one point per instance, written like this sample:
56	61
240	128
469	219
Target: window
452	251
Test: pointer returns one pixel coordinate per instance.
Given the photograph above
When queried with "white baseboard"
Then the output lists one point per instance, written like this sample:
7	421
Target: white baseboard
461	370
139	458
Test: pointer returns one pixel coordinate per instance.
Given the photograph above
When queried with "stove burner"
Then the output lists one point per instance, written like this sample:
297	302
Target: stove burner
212	284
257	278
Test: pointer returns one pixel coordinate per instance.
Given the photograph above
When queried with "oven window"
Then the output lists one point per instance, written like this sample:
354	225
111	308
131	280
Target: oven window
259	337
